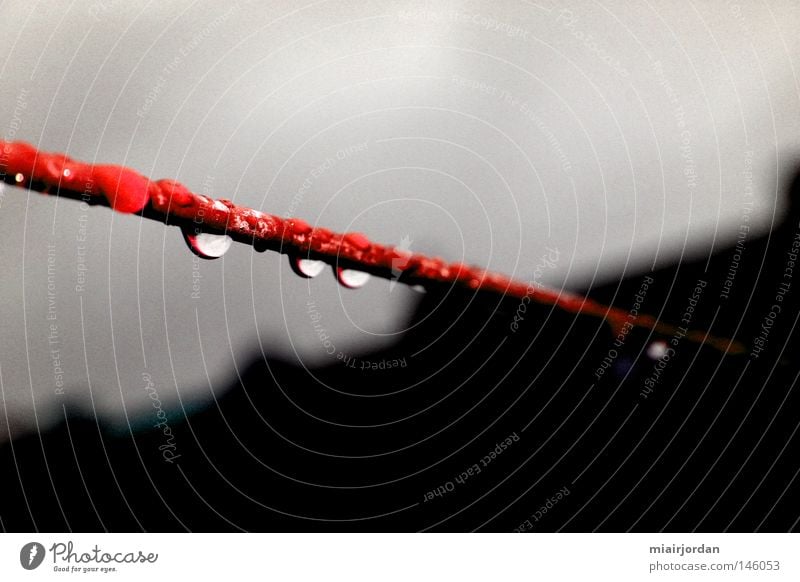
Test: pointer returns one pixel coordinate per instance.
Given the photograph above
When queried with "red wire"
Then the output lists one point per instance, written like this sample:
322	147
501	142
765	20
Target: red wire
127	191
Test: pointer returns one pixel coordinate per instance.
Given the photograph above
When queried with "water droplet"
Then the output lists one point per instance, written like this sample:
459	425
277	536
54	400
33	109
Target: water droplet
351	278
206	245
19	178
67	172
657	350
307	268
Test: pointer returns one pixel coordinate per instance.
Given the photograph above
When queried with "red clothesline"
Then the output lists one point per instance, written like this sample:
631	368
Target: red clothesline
127	191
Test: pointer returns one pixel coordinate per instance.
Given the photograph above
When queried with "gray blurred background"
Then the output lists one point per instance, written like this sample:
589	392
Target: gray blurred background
619	134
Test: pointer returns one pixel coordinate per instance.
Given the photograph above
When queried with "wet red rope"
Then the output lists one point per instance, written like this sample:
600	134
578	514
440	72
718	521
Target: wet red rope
127	191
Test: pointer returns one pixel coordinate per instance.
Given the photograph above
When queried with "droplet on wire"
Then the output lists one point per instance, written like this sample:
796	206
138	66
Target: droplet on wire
351	278
307	268
657	350
207	245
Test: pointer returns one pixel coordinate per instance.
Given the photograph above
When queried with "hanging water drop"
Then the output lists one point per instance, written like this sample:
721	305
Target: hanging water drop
307	268
207	245
351	278
657	350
